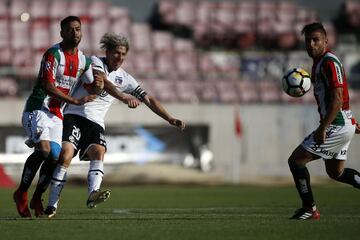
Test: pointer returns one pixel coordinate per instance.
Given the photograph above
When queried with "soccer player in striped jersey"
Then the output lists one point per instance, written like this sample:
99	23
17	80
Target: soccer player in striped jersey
330	141
61	67
78	121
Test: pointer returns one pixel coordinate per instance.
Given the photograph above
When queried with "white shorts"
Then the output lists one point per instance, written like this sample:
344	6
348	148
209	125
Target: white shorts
40	125
336	143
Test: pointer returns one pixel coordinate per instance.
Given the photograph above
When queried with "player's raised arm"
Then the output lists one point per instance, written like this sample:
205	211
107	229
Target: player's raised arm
131	101
157	108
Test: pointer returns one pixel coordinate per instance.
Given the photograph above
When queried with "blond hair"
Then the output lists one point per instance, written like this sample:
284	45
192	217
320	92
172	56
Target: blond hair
110	41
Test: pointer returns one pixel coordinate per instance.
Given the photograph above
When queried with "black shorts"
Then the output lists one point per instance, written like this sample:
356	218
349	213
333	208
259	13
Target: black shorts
82	133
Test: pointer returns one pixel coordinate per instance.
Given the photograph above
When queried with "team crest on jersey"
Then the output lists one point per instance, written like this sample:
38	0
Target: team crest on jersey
118	80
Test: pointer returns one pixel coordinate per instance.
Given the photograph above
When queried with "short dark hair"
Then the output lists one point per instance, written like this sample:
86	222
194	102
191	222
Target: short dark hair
313	27
67	20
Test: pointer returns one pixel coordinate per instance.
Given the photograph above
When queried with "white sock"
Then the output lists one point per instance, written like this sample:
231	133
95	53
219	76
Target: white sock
57	184
95	175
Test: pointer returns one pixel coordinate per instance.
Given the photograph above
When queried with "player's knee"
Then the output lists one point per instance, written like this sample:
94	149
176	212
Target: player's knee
55	150
293	163
96	152
333	173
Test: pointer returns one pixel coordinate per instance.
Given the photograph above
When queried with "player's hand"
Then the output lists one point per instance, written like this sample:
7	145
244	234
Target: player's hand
320	135
357	129
178	123
99	78
88	98
131	101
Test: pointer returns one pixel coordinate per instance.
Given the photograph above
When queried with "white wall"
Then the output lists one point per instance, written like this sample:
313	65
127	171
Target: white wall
270	133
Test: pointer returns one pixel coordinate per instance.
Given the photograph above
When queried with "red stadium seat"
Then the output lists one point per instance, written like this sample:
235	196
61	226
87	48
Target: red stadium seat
143	63
4	33
58	9
227	92
5	56
55	31
269	91
225	15
141	37
208	92
86	40
4	11
247	90
40	35
187	91
185	13
39	9
186	64
165	65
17	7
8	87
97	29
167	10
162	41
79	8
98	9
164	90
19	34
120	21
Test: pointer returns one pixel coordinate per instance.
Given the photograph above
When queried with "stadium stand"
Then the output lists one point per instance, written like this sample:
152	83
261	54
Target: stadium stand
227	51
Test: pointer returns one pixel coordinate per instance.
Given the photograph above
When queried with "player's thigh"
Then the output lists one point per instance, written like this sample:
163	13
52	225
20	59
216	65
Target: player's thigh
93	143
56	130
67	153
335	145
71	131
37	125
301	156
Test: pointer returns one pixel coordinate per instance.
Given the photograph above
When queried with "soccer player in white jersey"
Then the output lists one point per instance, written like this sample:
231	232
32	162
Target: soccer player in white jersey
84	125
61	67
330	141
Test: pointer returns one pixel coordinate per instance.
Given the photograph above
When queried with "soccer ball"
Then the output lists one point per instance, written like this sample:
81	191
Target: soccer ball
296	82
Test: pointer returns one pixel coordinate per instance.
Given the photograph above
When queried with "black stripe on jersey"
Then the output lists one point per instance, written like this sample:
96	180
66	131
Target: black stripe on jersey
139	93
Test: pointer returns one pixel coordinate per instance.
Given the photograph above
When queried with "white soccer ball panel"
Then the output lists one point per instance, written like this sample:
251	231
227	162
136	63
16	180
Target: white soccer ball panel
306	84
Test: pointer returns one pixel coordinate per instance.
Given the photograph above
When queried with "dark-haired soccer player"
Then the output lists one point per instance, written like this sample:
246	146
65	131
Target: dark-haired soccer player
331	139
61	67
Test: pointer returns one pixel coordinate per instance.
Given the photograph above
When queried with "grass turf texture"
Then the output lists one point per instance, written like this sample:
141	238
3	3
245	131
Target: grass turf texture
173	212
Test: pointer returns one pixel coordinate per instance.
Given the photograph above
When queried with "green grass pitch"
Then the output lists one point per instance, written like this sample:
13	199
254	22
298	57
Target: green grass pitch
189	212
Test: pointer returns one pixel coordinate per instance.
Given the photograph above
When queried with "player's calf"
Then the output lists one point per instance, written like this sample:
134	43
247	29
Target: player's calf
349	176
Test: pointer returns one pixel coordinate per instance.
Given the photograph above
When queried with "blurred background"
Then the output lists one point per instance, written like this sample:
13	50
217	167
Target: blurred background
217	65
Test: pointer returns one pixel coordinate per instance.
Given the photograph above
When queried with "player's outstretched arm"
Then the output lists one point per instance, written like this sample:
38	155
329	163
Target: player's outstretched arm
53	91
131	101
157	108
357	129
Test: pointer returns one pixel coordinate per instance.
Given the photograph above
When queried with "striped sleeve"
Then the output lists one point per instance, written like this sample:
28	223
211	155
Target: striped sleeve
49	65
139	93
133	87
334	73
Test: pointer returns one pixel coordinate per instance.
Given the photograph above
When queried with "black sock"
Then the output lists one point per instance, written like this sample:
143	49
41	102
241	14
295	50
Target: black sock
31	166
45	175
350	176
302	181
